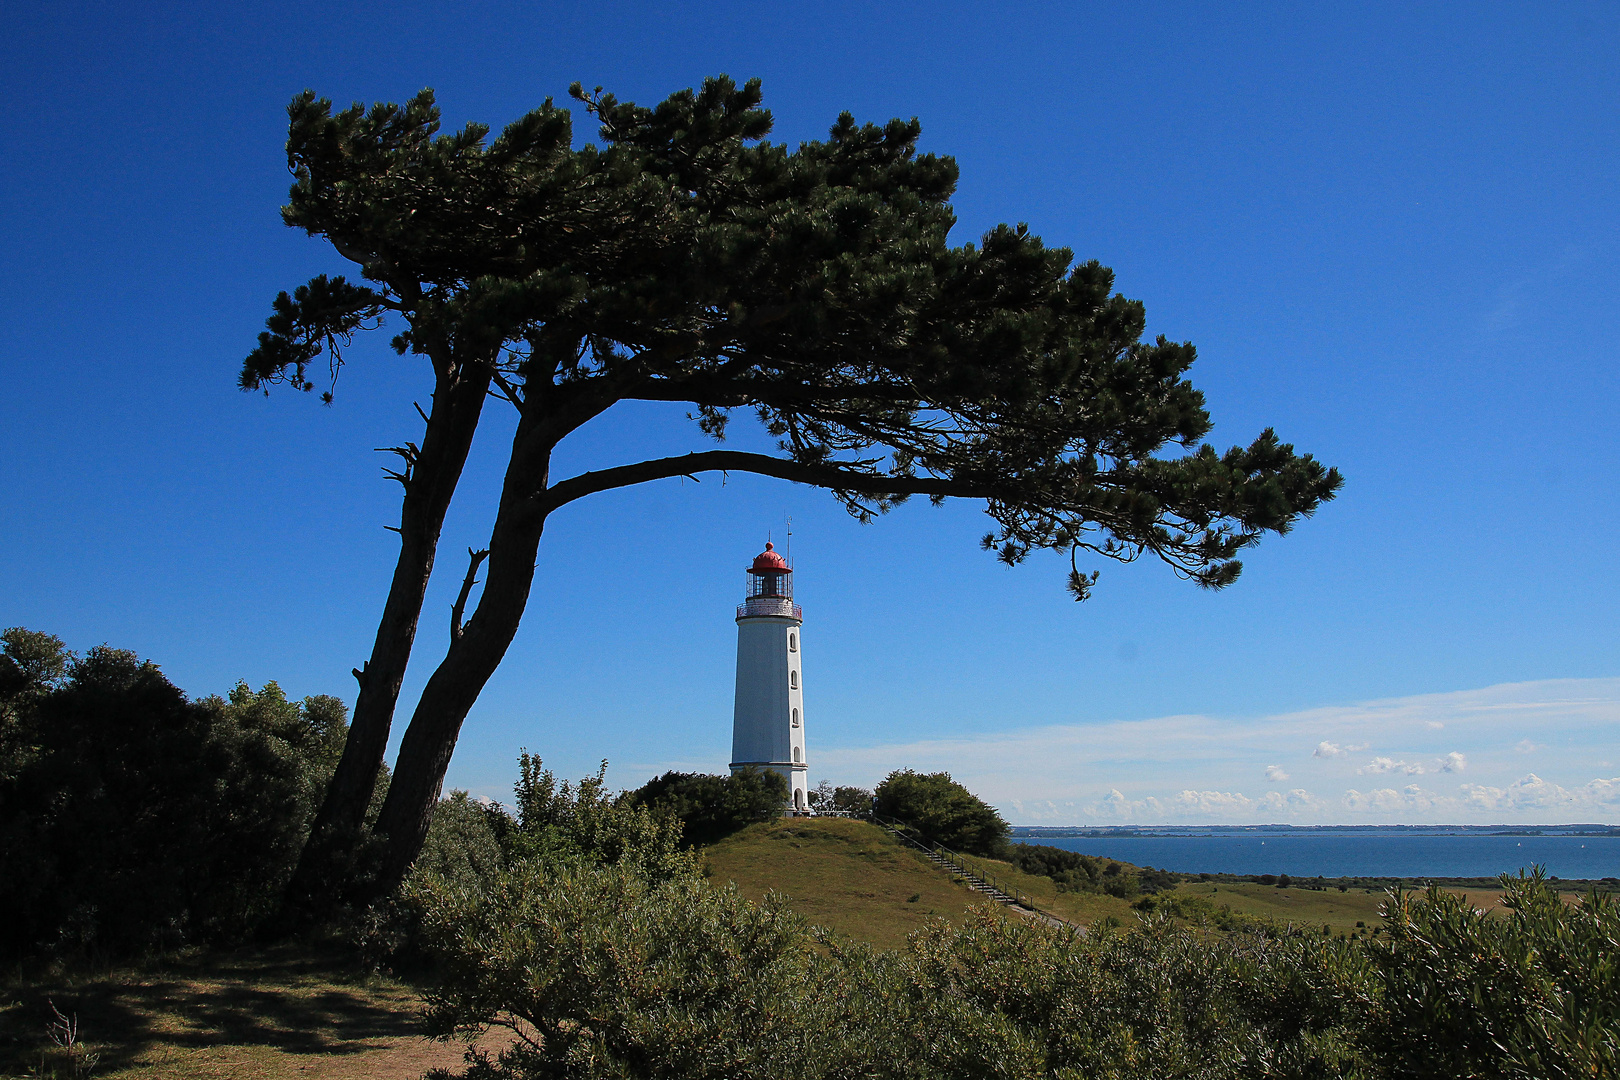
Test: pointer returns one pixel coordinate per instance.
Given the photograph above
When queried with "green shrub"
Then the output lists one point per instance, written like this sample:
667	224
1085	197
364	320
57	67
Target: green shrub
1072	871
843	799
601	973
583	821
943	811
1532	996
134	818
463	844
711	807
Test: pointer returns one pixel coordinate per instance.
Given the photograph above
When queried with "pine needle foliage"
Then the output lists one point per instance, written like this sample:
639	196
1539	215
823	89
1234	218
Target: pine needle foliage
684	257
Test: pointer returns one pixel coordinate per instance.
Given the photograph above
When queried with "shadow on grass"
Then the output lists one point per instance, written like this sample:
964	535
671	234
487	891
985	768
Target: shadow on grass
285	999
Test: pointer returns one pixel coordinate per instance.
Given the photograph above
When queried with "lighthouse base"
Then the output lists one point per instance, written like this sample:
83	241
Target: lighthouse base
796	773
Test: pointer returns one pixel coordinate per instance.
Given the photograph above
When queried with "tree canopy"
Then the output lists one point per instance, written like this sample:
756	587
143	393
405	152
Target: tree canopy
815	288
942	810
132	817
685	258
711	807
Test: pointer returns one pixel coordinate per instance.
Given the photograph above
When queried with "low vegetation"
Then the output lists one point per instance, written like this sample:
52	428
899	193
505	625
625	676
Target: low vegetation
585	931
598	972
942	811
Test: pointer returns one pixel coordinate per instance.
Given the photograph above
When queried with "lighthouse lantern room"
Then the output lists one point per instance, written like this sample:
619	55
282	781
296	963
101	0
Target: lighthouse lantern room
768	723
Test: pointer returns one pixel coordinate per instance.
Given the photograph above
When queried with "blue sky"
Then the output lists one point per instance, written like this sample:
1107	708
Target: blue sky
1391	232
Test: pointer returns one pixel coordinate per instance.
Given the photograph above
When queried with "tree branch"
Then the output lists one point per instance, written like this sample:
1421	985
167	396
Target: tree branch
825	476
475	559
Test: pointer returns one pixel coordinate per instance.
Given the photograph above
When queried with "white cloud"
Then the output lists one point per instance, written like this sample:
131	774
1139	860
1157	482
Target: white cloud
1142	771
1389	801
1525	746
1291	801
1275	774
1603	792
1452	763
1530	791
1212	803
1378	766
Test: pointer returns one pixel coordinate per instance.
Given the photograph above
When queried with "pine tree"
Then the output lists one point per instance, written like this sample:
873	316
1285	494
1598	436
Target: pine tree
688	259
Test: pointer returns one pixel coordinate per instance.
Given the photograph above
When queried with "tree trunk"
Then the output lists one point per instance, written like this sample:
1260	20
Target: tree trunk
424	753
329	854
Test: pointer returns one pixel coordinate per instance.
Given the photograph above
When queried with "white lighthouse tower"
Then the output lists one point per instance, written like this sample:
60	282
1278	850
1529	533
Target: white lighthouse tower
768	726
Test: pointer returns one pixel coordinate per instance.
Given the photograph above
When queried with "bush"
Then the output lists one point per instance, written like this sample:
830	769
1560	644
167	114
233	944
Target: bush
711	807
1153	881
584	822
463	844
472	849
1532	995
1072	871
943	811
132	817
600	973
846	800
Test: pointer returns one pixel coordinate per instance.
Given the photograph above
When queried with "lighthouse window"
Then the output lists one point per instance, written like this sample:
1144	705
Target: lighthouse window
798	755
793	642
793	680
795	717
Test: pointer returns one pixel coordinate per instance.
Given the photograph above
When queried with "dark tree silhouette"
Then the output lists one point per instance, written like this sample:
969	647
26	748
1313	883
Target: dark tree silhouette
685	259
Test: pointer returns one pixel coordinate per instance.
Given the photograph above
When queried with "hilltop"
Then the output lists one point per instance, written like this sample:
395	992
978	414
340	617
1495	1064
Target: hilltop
855	878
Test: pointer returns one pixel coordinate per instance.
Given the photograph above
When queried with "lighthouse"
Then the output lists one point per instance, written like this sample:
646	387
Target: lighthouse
767	729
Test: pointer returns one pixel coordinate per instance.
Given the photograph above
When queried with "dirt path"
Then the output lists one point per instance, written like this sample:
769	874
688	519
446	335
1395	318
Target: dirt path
279	1015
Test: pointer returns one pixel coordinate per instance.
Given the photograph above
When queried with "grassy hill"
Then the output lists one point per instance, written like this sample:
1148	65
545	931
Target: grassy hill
848	875
855	878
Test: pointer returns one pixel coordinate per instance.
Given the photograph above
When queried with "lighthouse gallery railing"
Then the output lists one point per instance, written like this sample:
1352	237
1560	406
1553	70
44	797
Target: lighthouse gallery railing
769	605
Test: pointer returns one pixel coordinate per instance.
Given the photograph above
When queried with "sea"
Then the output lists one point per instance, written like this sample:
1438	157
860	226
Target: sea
1360	852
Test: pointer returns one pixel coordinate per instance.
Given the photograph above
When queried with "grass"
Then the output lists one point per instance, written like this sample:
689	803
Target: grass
847	875
853	877
1077	907
1340	911
256	1015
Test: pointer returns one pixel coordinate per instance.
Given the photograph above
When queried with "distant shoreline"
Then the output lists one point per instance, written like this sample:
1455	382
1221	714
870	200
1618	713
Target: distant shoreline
1093	831
1360	855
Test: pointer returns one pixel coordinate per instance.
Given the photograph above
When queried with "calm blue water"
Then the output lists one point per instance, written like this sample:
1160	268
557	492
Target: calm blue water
1357	855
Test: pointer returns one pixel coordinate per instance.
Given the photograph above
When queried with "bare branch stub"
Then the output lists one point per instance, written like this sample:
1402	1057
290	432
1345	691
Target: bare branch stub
474	560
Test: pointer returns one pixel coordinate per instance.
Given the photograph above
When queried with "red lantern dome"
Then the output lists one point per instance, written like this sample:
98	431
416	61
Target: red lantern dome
769	562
